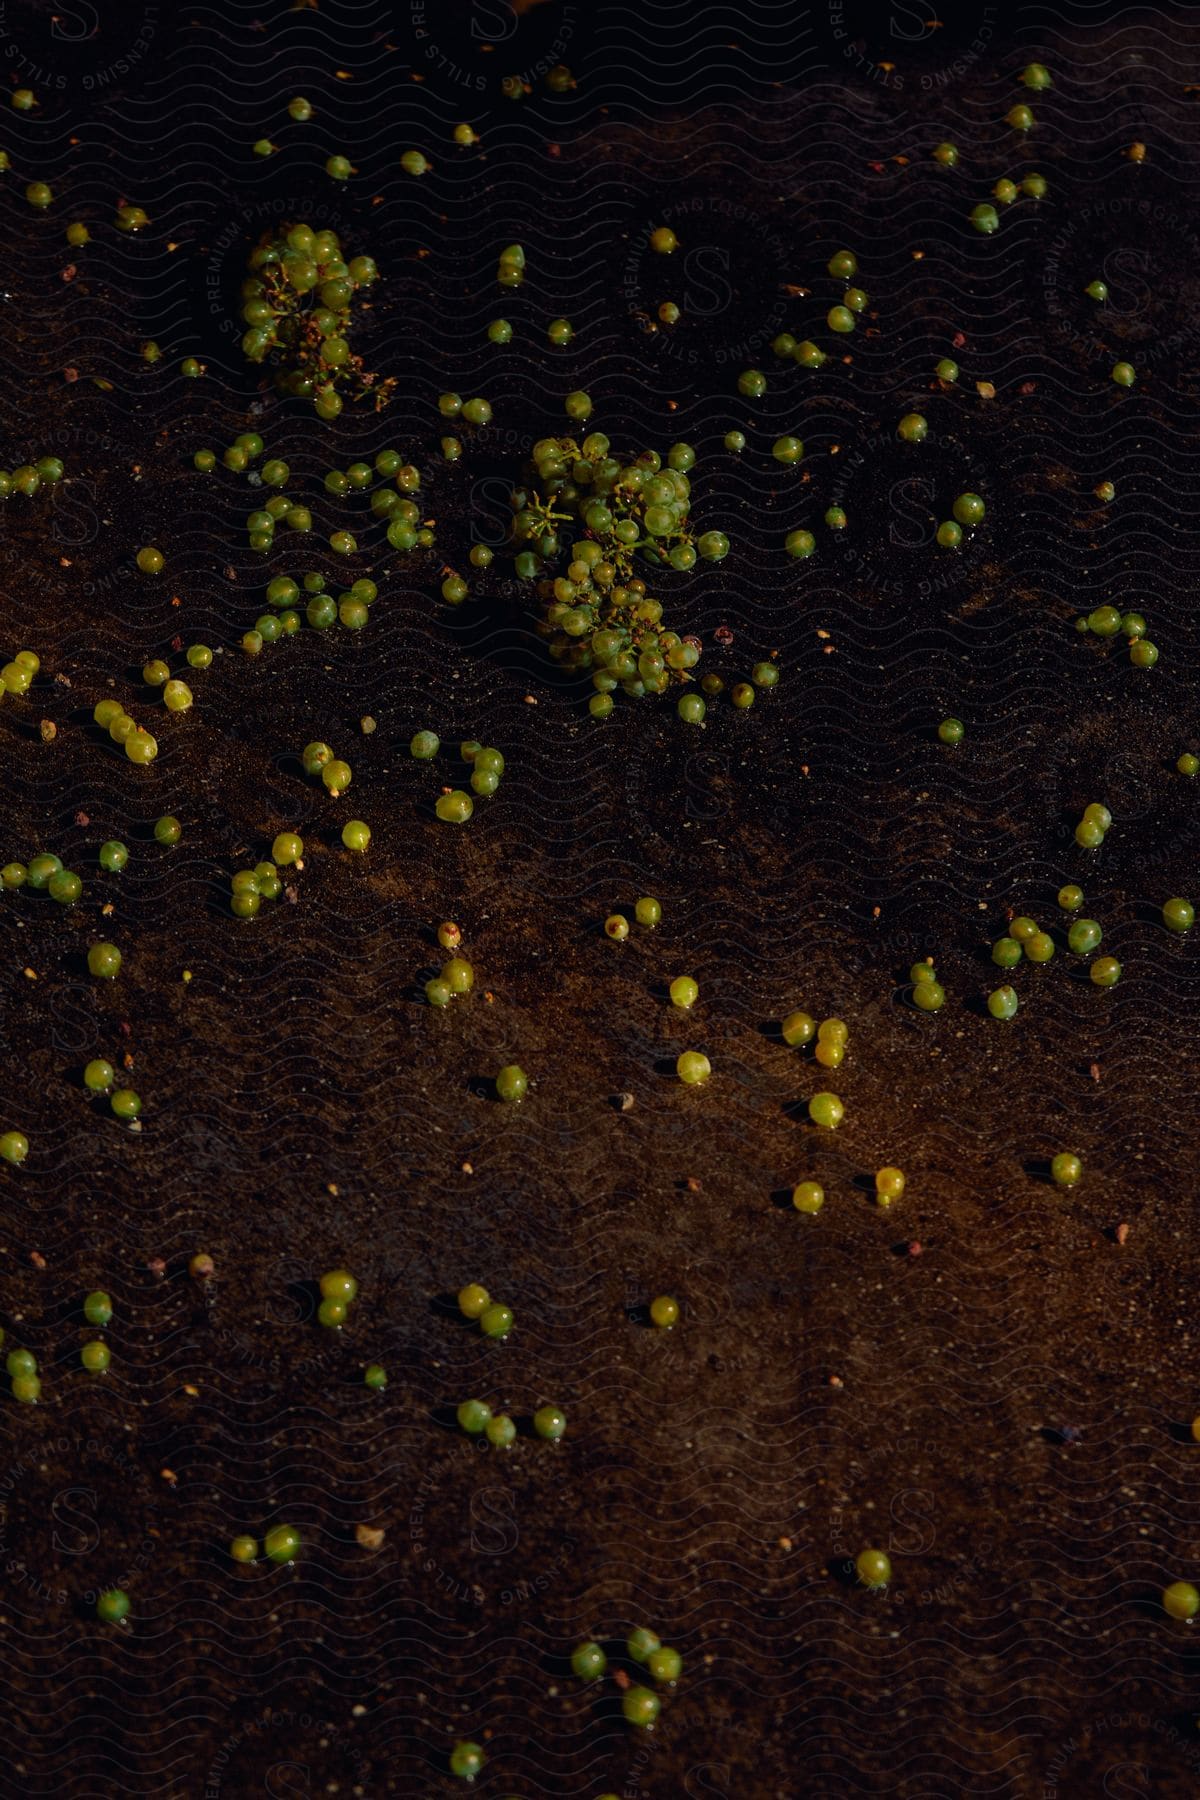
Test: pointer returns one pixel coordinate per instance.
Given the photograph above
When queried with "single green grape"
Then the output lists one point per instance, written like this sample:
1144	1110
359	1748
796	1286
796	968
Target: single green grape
693	1068
1181	1600
648	911
104	961
375	1377
466	1759
512	1083
1105	971
827	1110
339	1284
1002	1002
588	1661
798	1029
550	1422
496	1321
951	731
665	1664
1040	947
41	869
64	886
113	1606
664	1312
97	1307
282	1543
873	1567
1066	1168
473	1415
685	991
641	1706
930	996
95	1357
244	1549
14	1147
1070	897
1178	915
1084	935
500	1431
454	808
808	1196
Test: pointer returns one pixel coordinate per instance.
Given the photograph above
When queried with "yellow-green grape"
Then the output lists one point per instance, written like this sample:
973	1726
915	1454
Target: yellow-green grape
473	1300
616	927
808	1196
458	975
684	991
1181	1600
473	1415
1178	914
827	1110
244	1549
355	834
496	1321
798	1029
873	1567
336	776
282	1543
140	747
665	1664
1070	897
454	808
664	1312
889	1185
14	1147
640	1706
930	996
648	911
1066	1168
287	849
512	1083
693	1067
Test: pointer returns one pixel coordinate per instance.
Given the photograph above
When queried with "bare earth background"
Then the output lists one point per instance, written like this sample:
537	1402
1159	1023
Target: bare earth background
1008	1413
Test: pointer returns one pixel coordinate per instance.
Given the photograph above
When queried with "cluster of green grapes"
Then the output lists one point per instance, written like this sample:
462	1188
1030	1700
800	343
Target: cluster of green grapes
296	306
597	614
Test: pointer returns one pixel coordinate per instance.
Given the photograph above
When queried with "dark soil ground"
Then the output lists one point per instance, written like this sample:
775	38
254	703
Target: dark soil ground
1007	1412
